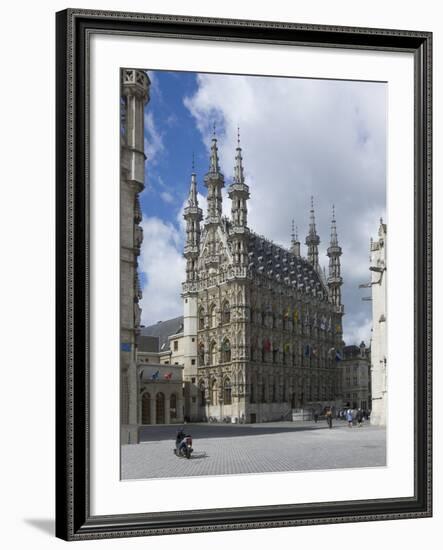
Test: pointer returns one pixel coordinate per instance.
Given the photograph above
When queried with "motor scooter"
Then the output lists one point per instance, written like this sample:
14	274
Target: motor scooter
185	448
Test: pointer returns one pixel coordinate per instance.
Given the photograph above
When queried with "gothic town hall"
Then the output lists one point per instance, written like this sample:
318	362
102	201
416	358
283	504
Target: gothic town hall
262	325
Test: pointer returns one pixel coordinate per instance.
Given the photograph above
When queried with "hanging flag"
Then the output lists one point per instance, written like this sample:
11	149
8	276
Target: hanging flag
307	350
295	315
338	356
287	347
337	328
331	353
267	345
156	375
168	376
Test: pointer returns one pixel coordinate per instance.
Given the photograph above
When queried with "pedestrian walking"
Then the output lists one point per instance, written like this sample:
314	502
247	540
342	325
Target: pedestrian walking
329	417
359	418
349	418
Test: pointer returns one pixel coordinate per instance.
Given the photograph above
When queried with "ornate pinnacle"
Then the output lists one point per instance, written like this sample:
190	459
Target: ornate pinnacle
213	164
238	169
192	198
334	238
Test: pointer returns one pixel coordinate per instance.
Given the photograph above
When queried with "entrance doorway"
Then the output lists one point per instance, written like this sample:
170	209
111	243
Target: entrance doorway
146	408
160	408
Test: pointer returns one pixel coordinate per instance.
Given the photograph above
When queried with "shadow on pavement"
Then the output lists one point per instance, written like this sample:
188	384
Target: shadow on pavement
205	431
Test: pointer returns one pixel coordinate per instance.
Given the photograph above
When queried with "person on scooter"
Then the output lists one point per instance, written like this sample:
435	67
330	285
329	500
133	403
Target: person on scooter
179	440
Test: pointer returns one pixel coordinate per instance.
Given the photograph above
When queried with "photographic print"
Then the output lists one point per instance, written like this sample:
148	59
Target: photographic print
229	196
253	239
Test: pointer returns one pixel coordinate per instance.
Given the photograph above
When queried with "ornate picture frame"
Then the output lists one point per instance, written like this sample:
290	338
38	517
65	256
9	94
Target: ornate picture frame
74	519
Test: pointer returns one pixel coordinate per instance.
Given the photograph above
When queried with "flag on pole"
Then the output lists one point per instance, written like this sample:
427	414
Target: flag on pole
307	350
338	356
156	375
168	376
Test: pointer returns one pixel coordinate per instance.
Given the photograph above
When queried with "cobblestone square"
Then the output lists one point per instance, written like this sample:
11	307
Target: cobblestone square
224	449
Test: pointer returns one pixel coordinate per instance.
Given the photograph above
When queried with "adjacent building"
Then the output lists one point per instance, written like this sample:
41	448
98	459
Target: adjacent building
378	344
134	95
355	371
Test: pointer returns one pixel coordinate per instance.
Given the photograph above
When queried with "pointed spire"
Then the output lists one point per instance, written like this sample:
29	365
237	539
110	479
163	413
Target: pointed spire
238	169
214	181
214	166
312	229
192	197
312	240
295	243
334	237
334	252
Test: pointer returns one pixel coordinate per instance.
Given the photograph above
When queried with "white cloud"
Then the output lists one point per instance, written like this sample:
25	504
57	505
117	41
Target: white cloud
153	139
162	262
167	197
301	138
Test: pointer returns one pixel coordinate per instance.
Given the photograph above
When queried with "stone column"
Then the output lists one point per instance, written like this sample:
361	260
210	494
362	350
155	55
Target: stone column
152	404
167	409
179	410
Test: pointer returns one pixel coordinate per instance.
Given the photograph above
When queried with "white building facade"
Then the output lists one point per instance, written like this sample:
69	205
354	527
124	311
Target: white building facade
378	344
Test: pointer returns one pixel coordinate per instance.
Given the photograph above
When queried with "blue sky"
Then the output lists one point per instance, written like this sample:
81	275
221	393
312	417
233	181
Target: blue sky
299	138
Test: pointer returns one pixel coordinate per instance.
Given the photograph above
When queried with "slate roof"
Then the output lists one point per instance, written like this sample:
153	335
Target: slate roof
274	261
353	351
148	343
162	330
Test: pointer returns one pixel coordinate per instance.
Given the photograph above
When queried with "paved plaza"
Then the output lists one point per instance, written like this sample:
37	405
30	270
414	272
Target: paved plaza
254	448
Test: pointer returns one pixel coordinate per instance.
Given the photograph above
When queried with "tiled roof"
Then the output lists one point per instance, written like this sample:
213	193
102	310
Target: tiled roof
274	261
162	330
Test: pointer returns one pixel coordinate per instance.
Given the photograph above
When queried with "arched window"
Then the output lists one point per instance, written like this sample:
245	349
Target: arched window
201	393
173	407
160	408
201	319
274	391
226	313
227	392
226	351
201	354
252	392
263	392
212	316
214	390
213	354
146	408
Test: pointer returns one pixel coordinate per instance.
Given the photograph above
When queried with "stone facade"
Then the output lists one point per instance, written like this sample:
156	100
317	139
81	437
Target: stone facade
378	344
262	328
356	377
134	95
160	393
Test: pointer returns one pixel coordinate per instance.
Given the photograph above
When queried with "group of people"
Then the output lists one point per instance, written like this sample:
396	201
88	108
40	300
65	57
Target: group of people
359	415
350	415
